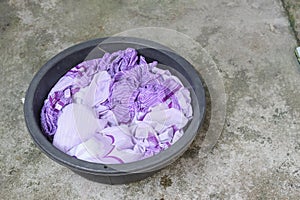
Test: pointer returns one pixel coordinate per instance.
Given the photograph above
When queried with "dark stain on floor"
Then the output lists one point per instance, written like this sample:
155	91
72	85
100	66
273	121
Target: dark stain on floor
165	181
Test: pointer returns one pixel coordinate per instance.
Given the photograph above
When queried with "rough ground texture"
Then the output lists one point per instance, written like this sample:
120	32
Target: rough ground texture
258	153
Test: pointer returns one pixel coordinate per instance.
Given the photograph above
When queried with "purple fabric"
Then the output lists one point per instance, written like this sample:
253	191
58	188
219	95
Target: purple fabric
76	124
116	109
138	89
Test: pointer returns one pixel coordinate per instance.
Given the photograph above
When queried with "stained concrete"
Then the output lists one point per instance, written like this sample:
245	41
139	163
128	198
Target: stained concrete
292	8
252	43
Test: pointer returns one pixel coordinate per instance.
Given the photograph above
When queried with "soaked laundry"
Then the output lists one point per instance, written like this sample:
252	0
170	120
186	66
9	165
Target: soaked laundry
116	109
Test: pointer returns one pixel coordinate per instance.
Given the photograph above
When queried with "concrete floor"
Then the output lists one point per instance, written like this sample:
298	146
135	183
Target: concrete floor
252	43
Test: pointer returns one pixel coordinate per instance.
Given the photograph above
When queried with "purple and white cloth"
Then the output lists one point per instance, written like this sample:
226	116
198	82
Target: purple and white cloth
116	109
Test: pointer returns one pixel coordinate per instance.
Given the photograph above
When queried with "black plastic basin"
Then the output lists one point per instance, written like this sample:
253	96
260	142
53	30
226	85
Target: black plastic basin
56	67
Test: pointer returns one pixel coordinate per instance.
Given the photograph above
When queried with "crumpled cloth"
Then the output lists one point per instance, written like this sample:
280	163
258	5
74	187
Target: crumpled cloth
116	109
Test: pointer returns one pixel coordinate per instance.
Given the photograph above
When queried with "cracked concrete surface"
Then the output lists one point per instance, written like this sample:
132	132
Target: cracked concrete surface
258	154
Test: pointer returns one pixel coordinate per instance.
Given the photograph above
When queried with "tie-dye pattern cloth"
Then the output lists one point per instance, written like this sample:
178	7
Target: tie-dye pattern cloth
116	109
